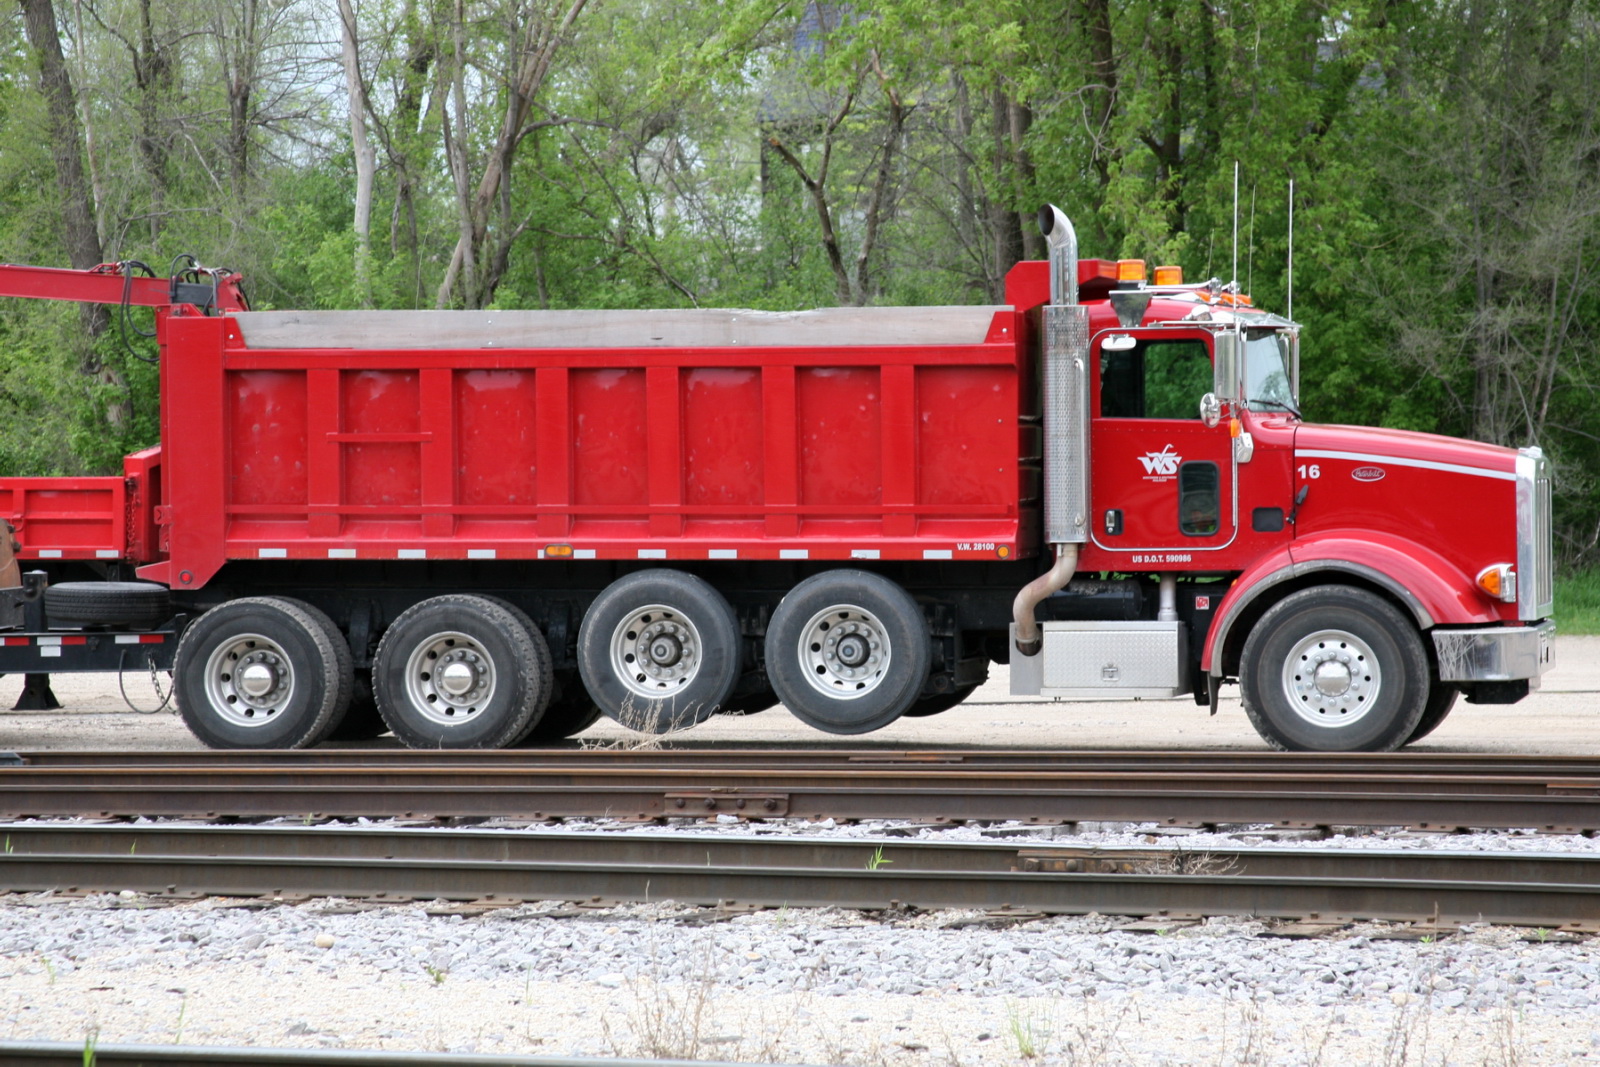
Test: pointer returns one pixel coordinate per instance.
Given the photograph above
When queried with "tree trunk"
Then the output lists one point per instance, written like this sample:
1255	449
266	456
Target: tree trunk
1003	218
77	213
362	150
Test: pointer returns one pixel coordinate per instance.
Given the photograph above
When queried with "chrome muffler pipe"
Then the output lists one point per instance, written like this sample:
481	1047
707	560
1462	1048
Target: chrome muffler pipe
1066	426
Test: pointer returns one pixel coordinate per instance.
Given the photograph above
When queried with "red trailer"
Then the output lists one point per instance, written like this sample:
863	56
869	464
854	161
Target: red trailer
502	523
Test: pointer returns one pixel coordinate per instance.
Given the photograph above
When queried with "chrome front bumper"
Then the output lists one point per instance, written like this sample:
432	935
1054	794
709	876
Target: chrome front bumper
1495	654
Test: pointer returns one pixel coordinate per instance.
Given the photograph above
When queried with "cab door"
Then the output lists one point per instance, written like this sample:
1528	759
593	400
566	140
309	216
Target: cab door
1163	483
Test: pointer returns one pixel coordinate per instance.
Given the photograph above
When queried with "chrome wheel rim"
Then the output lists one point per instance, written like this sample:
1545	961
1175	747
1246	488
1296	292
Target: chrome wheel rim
656	651
1332	679
844	652
249	680
450	676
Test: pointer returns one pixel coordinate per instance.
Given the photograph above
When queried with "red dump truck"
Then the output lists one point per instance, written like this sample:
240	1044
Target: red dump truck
485	528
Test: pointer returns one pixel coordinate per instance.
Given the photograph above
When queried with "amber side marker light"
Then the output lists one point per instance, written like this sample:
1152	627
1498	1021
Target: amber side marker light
1499	581
558	551
1168	276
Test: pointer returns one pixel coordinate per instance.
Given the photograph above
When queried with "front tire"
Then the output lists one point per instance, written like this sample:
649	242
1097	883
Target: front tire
1334	669
848	651
1441	700
261	672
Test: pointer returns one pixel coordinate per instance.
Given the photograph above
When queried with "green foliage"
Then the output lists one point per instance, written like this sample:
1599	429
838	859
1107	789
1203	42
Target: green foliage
783	154
1578	601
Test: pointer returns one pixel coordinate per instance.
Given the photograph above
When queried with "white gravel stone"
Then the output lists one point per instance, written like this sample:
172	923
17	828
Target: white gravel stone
784	985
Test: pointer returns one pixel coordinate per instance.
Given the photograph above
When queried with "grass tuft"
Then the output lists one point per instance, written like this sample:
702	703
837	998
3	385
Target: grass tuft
1578	602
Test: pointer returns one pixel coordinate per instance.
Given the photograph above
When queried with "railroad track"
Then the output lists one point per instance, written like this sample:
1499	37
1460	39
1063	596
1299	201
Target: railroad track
493	868
1177	789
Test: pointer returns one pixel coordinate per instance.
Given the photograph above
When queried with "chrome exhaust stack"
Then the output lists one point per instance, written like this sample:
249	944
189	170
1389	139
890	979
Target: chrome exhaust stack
1066	427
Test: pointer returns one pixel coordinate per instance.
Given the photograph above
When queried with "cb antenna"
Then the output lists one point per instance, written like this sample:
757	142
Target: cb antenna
1289	312
1235	276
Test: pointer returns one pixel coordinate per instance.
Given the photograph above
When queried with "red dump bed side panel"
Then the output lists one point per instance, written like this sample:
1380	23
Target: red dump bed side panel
881	451
66	518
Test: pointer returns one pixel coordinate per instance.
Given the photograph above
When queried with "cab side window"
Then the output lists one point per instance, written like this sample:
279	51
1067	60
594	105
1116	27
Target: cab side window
1155	380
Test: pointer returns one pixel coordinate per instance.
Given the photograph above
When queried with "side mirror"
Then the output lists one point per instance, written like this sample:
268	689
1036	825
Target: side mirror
1225	347
1210	410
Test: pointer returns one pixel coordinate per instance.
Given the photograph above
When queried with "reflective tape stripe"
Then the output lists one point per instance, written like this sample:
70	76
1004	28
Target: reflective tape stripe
652	553
413	553
936	553
722	553
341	553
794	553
272	553
488	553
865	553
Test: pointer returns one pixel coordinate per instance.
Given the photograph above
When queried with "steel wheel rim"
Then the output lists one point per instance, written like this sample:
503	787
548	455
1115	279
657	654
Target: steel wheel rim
450	676
656	651
844	652
249	679
1332	679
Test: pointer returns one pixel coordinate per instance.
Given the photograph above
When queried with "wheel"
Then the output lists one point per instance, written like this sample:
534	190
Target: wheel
847	651
261	672
659	650
542	649
361	720
572	710
1441	699
460	671
1334	669
136	605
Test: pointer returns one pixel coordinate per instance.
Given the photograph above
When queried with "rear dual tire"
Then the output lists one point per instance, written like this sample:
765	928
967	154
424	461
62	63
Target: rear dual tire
262	672
461	671
848	651
659	650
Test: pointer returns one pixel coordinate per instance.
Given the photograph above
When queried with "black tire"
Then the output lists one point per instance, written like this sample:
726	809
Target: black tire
848	652
1334	669
361	721
659	650
1441	700
503	667
302	674
546	666
135	605
572	710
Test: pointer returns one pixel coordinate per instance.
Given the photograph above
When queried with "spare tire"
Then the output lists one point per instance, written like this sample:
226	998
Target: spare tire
135	605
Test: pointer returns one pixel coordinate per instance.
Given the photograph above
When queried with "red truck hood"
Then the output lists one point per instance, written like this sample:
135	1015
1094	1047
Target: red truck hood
1403	446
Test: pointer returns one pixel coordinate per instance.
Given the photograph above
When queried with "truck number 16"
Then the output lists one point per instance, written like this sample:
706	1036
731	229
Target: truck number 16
1313	471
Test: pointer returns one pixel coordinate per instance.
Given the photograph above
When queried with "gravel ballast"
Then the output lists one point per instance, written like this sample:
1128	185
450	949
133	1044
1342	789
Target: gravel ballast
797	985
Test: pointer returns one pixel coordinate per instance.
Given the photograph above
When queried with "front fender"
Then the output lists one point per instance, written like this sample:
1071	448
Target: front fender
1433	589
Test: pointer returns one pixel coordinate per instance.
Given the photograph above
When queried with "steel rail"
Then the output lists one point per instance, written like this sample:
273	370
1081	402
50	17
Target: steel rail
664	787
1553	890
51	1053
1413	763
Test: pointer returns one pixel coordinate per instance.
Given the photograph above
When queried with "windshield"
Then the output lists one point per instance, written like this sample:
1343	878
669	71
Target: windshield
1268	362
